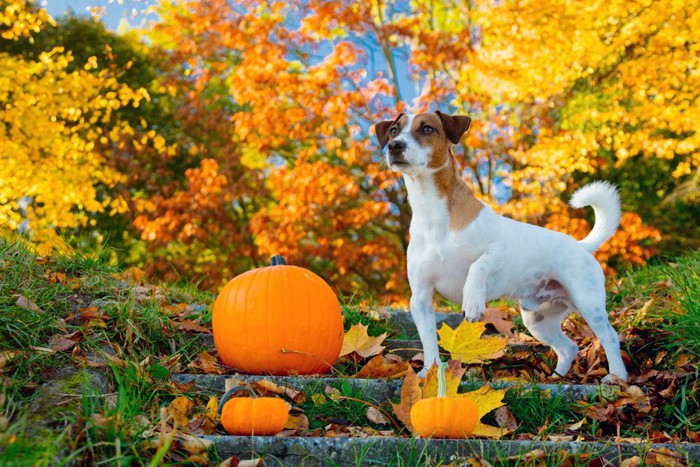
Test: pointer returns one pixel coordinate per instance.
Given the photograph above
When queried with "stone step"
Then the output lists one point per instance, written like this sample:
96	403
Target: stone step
402	323
313	451
399	320
379	391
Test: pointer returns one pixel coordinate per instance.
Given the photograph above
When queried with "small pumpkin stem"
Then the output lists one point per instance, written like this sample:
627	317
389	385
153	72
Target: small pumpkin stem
277	260
227	395
442	387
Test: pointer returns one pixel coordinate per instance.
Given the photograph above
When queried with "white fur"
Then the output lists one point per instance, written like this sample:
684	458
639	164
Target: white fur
549	272
603	197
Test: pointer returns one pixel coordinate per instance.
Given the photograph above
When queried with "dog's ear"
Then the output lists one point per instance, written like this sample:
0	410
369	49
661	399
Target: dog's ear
382	131
455	126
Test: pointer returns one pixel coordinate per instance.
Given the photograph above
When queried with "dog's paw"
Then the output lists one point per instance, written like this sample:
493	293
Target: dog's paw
473	310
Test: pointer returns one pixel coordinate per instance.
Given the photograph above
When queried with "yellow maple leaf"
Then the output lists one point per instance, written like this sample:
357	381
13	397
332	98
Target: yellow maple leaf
487	399
465	343
357	340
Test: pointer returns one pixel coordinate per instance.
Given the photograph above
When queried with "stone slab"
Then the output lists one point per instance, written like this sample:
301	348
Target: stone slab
380	391
410	451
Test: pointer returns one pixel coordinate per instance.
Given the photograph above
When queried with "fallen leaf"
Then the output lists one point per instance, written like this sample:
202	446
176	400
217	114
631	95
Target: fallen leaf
528	458
495	317
381	367
207	363
202	424
464	343
297	422
57	277
134	274
577	426
487	399
60	343
410	394
635	461
664	457
212	407
505	419
374	415
357	340
191	326
318	399
264	387
24	302
180	409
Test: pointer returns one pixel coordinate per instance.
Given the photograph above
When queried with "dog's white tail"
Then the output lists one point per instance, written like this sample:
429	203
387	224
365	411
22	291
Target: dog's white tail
605	200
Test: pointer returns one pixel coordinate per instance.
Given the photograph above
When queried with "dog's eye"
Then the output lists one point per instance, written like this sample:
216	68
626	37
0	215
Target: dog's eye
427	129
393	131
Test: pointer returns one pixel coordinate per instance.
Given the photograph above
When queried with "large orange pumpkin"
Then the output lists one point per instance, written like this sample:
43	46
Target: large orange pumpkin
444	417
278	320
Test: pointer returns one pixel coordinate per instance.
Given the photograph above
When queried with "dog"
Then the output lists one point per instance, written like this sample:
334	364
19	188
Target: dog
465	251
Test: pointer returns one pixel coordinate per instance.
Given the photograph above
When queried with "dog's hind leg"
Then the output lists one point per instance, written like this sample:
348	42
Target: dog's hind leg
544	323
588	296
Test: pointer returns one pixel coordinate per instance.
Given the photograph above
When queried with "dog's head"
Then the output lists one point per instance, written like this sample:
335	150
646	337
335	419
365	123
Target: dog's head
415	144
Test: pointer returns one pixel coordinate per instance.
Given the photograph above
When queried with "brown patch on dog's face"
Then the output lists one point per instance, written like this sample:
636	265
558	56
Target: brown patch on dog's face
427	129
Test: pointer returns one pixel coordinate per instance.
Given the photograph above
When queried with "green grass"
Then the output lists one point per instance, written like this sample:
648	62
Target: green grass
138	338
537	412
136	332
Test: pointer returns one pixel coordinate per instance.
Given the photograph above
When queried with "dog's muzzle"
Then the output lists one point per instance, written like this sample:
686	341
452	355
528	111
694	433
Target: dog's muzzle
396	153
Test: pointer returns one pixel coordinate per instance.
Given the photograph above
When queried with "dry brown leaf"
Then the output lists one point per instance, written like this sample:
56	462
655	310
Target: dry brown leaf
60	343
635	461
180	409
530	457
505	419
207	363
57	277
374	415
202	424
382	367
24	302
188	325
664	457
496	317
264	387
297	422
410	394
357	340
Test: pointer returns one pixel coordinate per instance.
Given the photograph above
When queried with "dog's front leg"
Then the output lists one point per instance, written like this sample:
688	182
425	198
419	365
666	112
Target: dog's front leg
423	315
474	291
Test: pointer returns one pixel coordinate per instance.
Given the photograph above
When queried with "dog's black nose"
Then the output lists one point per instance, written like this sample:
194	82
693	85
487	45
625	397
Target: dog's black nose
397	146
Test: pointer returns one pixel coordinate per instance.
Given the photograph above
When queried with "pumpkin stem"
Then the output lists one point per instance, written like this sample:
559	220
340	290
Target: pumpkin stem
442	387
277	260
227	395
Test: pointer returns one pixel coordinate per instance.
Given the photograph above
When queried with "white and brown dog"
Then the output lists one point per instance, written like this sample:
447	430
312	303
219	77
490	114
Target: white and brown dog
462	249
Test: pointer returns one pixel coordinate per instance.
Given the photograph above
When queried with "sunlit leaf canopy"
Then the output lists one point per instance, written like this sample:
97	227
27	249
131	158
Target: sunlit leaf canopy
220	133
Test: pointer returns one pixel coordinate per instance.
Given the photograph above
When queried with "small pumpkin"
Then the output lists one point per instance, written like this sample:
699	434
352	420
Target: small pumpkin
245	416
444	417
278	320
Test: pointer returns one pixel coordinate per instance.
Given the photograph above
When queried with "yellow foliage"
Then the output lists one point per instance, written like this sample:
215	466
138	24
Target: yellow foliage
52	164
465	343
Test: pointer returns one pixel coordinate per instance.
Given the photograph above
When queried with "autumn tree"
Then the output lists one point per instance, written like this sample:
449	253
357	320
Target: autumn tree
52	126
280	162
